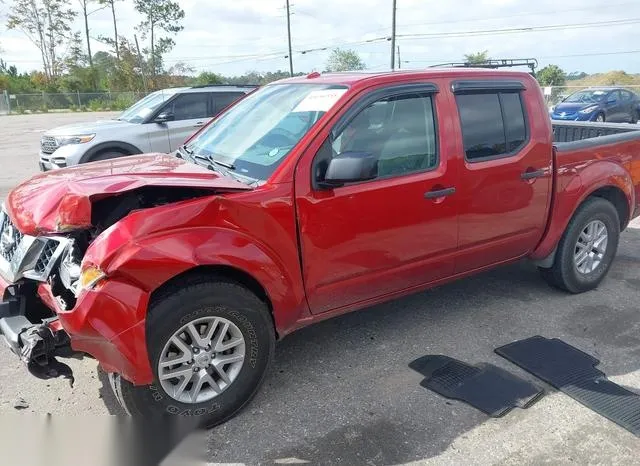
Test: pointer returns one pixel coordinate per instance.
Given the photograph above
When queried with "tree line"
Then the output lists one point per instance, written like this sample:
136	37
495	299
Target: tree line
68	63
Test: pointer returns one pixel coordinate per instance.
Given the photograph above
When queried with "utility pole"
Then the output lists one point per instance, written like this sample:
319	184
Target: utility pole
399	60
393	37
289	38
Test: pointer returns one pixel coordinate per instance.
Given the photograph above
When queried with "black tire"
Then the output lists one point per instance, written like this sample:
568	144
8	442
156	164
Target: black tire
600	118
107	155
634	118
201	297
564	273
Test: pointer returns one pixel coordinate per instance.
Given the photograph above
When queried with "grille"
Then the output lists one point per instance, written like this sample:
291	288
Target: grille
45	257
10	238
48	145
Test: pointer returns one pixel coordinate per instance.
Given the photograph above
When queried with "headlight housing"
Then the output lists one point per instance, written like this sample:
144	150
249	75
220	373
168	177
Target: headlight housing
587	110
74	139
90	276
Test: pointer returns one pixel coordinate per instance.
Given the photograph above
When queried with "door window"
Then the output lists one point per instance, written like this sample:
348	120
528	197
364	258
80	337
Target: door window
493	124
189	106
399	131
626	96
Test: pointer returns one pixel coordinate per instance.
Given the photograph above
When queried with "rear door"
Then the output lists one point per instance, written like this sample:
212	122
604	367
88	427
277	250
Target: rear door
505	180
221	100
191	111
366	240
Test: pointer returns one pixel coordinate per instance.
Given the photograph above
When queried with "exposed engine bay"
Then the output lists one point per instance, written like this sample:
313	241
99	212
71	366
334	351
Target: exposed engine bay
57	259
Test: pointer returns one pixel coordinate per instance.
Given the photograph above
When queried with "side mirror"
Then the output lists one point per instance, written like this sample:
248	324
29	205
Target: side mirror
350	167
164	117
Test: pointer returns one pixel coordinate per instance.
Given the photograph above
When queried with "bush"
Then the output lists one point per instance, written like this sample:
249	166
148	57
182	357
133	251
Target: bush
44	109
84	108
123	102
20	110
95	105
73	108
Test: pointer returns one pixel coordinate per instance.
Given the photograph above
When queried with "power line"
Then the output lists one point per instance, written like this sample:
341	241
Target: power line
546	57
489	32
518	15
454	34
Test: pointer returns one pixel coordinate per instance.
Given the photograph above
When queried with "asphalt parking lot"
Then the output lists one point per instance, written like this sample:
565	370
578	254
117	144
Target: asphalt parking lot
340	392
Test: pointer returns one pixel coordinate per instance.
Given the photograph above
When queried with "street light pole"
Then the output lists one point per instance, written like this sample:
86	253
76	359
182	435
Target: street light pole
289	38
393	37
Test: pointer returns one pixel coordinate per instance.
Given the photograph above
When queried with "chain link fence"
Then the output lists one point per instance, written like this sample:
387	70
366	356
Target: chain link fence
556	94
69	101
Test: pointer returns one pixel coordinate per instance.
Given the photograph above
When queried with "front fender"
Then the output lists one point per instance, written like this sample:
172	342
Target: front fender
574	186
134	250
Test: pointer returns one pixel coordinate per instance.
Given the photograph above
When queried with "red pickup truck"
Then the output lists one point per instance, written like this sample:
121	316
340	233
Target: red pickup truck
309	198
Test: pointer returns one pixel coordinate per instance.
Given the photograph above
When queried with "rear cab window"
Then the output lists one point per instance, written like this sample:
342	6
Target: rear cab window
492	118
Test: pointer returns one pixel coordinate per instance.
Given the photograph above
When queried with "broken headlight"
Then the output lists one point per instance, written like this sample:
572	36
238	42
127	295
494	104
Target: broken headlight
70	269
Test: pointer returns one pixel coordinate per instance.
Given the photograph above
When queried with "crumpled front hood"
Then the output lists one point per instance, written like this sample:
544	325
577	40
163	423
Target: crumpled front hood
60	200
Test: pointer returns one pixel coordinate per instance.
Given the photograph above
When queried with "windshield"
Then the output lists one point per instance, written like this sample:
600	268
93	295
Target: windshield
587	97
146	106
254	136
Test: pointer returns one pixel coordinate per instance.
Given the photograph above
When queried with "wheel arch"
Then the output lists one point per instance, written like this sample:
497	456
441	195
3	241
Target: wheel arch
215	272
607	180
125	147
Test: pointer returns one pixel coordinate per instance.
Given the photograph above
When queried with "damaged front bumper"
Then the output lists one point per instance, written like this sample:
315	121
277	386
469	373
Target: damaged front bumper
107	323
38	345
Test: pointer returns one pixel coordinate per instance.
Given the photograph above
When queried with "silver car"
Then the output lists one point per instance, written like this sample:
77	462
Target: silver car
160	122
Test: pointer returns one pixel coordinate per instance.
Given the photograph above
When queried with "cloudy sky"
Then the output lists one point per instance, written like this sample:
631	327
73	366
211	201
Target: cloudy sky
231	37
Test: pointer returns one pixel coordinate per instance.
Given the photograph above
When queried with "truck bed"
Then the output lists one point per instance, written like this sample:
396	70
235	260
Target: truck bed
572	131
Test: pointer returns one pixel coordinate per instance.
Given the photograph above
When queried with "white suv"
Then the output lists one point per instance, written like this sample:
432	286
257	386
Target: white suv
160	122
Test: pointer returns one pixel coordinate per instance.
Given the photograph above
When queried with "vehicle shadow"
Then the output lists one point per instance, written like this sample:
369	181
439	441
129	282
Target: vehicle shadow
341	391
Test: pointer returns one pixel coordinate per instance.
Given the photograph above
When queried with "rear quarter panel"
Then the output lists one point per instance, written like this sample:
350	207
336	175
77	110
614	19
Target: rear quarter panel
583	168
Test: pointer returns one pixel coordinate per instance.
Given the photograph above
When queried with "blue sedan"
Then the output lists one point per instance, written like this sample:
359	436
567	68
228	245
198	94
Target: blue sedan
602	104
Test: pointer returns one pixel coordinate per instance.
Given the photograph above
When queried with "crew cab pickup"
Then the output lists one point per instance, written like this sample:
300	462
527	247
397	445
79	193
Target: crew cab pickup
308	198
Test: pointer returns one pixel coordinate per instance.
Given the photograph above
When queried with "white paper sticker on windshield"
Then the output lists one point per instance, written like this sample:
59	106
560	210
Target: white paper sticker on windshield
145	112
598	93
319	101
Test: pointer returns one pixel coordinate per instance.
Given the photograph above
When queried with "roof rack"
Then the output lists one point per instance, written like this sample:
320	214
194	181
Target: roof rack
532	63
224	85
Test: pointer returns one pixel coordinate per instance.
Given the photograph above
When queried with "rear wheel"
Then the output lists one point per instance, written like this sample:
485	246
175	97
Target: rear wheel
587	248
600	118
634	118
209	344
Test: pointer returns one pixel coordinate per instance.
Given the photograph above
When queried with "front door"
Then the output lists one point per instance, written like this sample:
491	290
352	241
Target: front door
370	239
191	111
505	178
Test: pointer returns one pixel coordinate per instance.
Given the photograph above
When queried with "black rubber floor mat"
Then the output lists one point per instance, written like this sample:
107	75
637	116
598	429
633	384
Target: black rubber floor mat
486	387
573	372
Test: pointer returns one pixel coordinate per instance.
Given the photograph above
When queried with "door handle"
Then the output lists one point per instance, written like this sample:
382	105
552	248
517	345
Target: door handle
531	175
199	124
439	193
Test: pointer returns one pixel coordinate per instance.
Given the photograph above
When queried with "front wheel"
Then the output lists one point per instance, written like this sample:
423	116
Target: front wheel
587	248
209	343
107	155
600	118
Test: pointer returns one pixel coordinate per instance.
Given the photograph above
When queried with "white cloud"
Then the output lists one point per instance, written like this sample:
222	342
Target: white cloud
226	37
